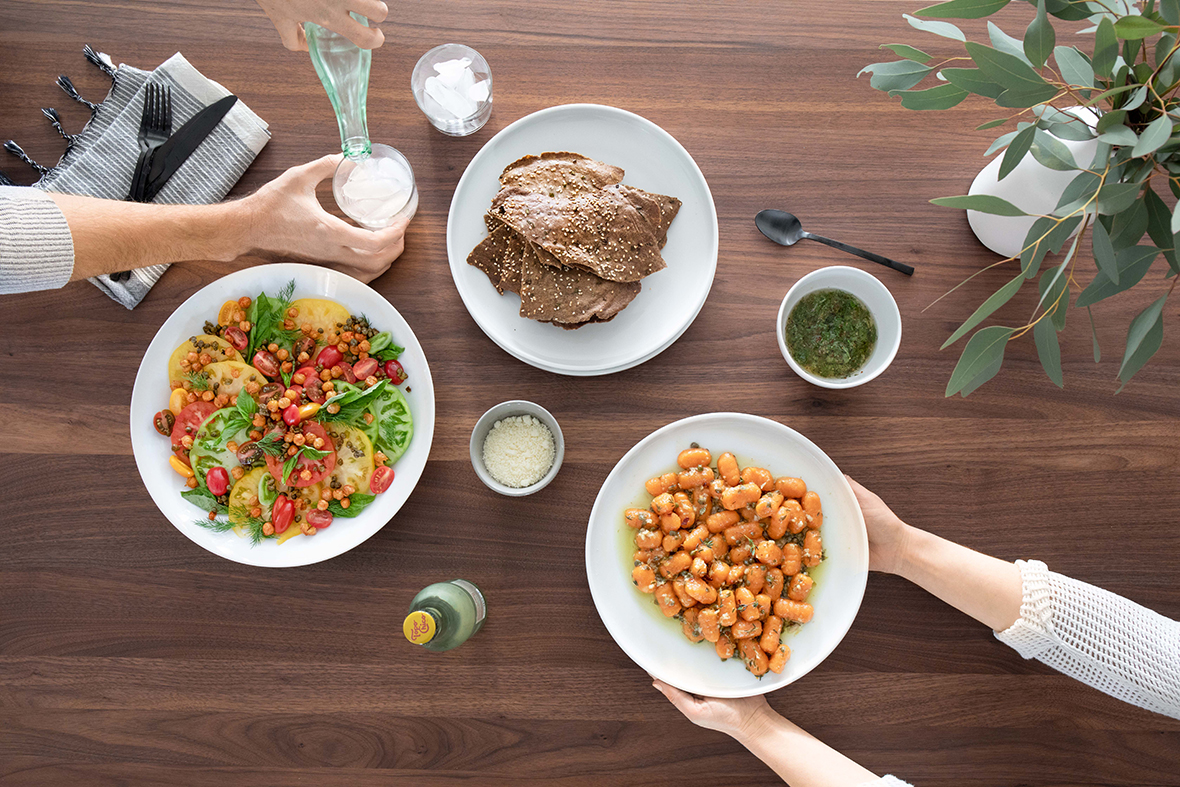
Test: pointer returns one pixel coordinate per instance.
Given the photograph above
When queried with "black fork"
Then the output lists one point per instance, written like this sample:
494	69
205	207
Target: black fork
155	126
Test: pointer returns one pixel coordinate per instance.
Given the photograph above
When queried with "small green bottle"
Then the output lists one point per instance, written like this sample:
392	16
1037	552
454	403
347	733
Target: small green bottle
445	615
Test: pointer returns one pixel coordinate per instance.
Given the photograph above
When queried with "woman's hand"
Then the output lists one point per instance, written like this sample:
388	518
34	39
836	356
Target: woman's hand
888	535
288	17
285	218
739	718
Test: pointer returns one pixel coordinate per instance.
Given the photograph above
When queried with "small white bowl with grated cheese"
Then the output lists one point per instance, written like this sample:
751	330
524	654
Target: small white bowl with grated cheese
517	448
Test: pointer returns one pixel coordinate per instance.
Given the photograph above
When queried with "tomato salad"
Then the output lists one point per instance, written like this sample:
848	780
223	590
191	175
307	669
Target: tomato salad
285	415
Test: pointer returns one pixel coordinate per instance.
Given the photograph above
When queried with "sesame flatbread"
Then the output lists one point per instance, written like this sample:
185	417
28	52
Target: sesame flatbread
600	231
570	297
559	174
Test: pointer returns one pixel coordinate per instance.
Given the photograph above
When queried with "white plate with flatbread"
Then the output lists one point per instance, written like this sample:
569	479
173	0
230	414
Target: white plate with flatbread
670	299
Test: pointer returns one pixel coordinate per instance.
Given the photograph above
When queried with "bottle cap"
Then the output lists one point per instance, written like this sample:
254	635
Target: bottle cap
419	627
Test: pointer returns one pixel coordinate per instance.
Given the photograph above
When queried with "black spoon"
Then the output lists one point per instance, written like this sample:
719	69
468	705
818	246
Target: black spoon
783	228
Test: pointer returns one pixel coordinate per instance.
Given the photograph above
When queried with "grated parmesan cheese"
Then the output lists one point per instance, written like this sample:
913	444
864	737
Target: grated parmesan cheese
518	451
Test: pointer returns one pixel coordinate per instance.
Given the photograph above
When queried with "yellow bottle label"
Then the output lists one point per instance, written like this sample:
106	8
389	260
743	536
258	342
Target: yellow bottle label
419	627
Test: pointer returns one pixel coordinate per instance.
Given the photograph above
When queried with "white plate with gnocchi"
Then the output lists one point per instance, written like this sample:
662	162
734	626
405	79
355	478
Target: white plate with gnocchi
727	555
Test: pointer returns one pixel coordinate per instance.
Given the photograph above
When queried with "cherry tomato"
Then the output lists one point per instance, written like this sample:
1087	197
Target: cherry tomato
187	423
395	372
315	394
308	373
380	480
365	368
248	454
282	513
237	337
329	357
319	519
349	376
291	415
217	480
265	362
318	467
270	391
306	344
164	421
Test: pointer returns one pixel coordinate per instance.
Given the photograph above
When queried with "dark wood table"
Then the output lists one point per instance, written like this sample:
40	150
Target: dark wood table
130	656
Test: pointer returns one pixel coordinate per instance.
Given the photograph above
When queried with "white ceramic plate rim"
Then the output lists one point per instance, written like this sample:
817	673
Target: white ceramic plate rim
458	257
149	395
770	682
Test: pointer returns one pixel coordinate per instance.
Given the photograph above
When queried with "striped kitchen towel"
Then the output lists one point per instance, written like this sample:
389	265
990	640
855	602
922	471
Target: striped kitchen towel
100	160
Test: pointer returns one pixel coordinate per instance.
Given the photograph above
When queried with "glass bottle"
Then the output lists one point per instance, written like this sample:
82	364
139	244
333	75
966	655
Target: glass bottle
374	184
445	615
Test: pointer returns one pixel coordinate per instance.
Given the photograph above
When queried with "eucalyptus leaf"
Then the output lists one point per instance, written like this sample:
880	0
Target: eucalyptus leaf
944	29
1113	118
908	52
1169	10
1005	69
973	81
1051	152
1116	197
981	359
1134	28
1074	67
1144	337
1044	237
1128	227
1054	282
1175	218
941	97
1104	252
1073	10
991	124
986	309
1119	135
1006	43
1159	218
984	203
1136	100
898	75
1016	150
1075	132
1003	141
1133	264
963	9
1106	49
1081	187
1039	38
1049	351
1153	137
1027	96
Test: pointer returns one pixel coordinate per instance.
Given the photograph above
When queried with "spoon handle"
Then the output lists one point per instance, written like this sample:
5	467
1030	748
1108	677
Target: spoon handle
868	255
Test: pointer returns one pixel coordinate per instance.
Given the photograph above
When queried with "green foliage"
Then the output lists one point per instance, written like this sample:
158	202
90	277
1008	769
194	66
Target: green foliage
1130	77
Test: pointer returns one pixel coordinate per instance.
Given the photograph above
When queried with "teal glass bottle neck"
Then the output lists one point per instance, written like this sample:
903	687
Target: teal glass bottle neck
343	69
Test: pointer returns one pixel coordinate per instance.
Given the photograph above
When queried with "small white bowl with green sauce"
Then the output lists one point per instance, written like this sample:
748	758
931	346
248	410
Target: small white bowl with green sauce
843	342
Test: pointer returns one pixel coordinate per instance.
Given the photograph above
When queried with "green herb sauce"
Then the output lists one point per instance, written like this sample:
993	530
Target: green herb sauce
830	333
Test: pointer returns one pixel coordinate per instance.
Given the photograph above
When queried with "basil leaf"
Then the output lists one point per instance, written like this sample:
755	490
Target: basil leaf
357	502
204	499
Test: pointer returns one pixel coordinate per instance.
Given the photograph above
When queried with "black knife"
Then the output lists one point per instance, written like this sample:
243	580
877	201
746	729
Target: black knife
172	154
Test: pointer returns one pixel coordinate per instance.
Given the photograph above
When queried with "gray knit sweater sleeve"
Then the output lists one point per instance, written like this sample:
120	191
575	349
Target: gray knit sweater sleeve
36	249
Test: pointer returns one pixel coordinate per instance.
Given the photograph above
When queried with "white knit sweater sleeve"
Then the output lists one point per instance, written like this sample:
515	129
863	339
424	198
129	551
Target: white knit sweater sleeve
1102	639
36	248
886	781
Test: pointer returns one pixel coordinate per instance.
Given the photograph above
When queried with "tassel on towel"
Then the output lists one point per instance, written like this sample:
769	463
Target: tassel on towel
65	84
19	152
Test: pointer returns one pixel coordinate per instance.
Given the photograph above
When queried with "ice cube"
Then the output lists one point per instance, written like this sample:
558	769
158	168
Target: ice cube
454	103
451	71
479	91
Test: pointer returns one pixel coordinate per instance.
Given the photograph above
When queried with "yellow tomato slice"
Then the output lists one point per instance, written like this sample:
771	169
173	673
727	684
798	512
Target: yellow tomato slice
240	497
325	317
227	382
354	457
214	345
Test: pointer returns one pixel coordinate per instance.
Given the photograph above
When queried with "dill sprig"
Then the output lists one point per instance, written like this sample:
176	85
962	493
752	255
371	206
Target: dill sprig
198	380
238	515
272	444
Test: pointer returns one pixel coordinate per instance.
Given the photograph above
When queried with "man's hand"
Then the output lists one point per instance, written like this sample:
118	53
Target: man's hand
288	17
285	218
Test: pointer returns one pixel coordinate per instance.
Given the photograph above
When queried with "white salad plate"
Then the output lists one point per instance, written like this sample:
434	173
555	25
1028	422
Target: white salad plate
656	643
150	395
670	300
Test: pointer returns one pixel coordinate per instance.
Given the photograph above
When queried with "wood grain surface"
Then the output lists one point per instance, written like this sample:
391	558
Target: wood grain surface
130	656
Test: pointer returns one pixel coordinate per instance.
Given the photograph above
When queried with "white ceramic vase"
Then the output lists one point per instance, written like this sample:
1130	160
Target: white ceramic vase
1031	186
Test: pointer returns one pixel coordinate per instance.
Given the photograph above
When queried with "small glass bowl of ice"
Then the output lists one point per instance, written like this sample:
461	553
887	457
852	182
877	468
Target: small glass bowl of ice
452	84
377	189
